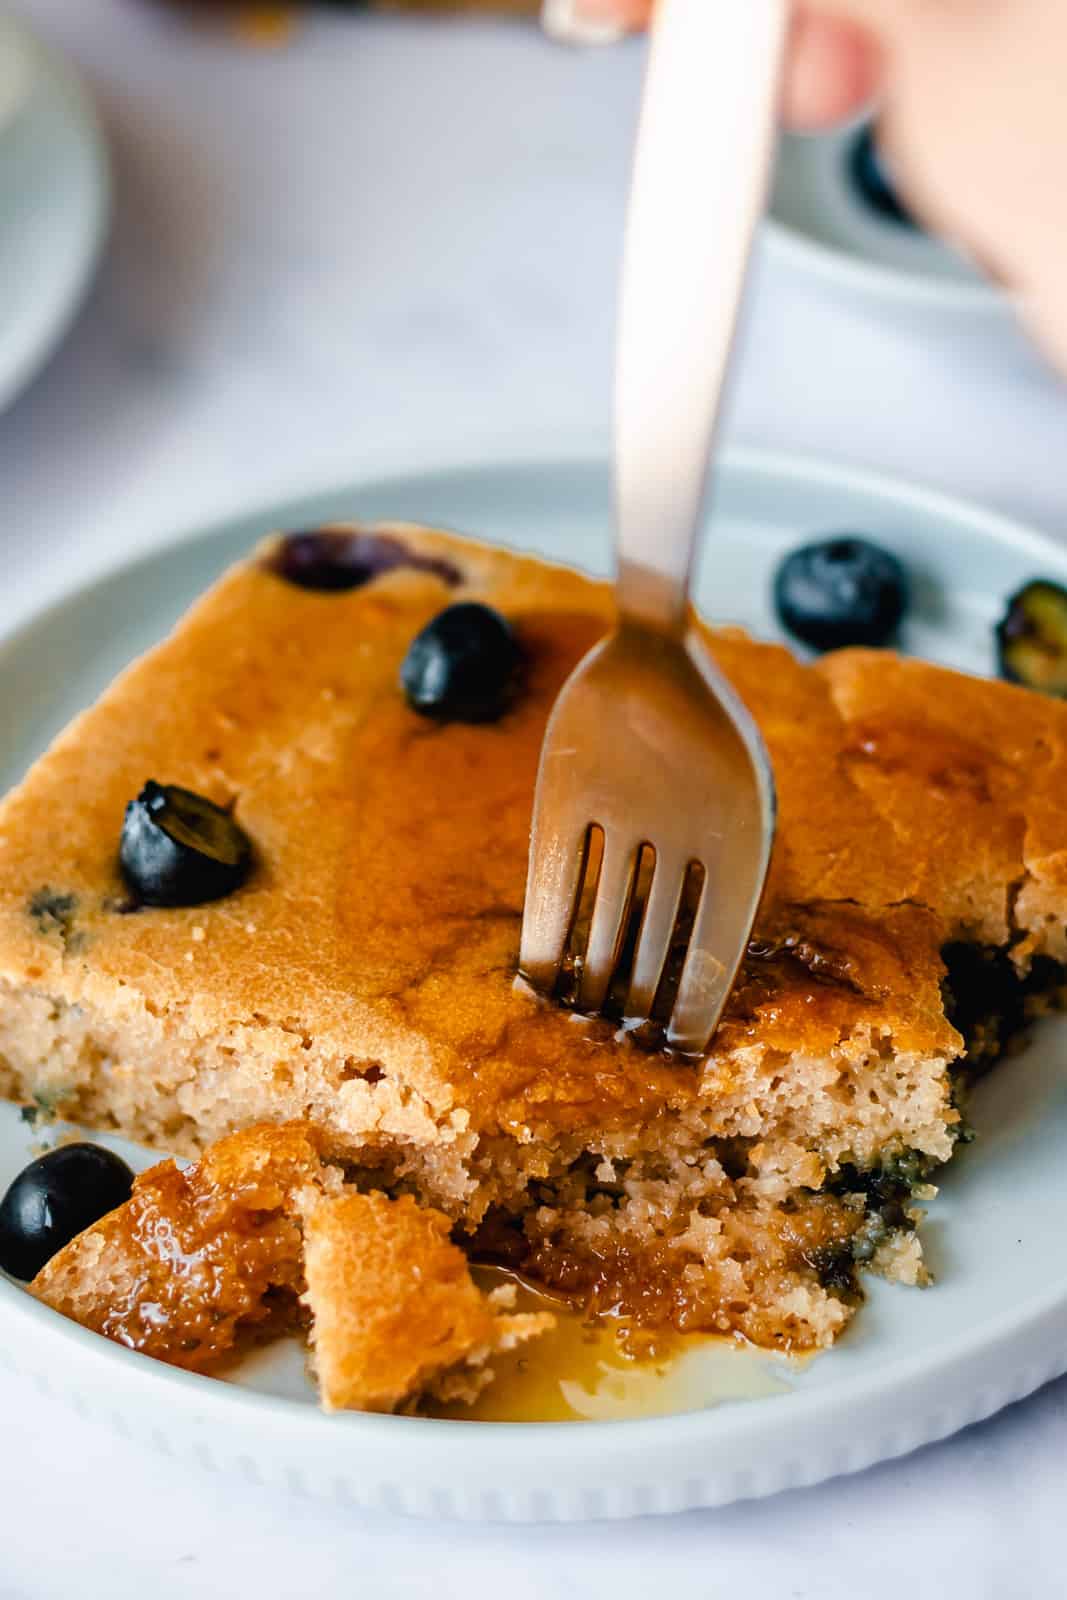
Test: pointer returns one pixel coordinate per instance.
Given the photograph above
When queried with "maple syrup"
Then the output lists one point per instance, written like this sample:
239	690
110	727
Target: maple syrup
607	1370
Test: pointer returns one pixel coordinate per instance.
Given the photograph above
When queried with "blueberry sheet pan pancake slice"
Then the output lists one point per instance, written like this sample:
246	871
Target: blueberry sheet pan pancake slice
364	974
764	510
355	961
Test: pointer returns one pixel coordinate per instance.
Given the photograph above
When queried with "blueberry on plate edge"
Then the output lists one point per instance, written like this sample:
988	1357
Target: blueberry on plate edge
179	849
464	666
1031	638
54	1199
841	591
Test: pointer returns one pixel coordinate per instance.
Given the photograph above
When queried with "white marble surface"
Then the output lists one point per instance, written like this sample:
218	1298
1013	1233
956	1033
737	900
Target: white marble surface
391	243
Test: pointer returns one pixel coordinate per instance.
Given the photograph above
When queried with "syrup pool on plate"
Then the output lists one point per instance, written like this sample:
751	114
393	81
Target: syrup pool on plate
586	1371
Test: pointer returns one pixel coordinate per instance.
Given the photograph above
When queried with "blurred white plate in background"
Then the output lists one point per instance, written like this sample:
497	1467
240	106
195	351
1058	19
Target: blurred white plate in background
54	191
15	74
820	221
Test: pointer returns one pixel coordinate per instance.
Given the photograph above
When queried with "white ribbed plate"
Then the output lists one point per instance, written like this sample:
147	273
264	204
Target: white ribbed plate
915	1367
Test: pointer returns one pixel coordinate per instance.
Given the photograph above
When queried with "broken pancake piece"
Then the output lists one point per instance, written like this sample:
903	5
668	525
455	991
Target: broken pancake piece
200	1262
395	1312
196	1260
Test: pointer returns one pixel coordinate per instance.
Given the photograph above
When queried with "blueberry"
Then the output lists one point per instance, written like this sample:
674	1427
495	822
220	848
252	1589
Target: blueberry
54	1199
1032	638
463	667
336	559
179	849
870	174
841	591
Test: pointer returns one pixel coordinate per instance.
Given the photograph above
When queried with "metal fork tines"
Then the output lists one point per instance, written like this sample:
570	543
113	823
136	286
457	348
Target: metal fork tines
647	743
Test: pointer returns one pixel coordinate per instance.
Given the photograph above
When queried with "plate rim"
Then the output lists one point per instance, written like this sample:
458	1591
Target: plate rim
214	1408
549	451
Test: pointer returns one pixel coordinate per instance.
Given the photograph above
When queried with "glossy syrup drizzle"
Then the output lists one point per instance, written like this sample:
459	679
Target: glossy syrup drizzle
605	1370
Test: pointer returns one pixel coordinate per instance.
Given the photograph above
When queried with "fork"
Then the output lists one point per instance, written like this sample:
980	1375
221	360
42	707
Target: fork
647	744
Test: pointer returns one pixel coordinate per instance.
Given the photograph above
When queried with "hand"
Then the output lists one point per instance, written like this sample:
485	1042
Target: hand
833	68
973	117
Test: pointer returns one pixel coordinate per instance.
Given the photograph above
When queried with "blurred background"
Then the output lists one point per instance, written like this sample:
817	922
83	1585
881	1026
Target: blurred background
341	239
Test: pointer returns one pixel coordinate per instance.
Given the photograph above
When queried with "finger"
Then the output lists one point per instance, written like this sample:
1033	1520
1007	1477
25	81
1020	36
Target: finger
834	70
622	14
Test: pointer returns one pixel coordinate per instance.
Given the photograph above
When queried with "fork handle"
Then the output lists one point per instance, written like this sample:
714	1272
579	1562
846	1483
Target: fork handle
701	173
